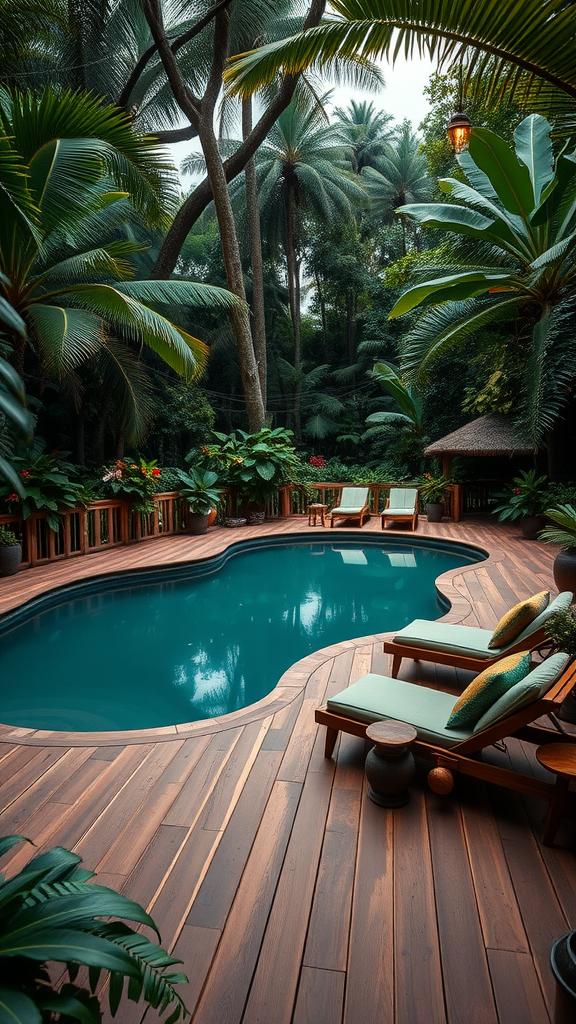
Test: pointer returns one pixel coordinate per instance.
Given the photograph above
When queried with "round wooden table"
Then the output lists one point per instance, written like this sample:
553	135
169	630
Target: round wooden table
314	511
559	758
390	765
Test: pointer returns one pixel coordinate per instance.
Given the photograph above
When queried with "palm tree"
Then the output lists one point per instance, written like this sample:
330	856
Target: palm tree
302	175
71	171
529	46
365	131
398	176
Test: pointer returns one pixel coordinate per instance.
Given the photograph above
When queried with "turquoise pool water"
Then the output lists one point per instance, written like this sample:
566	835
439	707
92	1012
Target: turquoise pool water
211	639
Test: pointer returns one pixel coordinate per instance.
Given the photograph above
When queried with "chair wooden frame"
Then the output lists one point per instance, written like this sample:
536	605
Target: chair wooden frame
389	516
361	514
468	662
462	758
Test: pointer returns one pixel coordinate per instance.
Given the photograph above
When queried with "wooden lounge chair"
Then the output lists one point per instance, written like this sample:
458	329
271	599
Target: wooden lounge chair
401	507
353	505
464	646
374	698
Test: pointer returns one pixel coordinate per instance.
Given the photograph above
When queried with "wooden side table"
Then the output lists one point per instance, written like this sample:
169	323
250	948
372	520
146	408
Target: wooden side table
314	511
390	765
559	758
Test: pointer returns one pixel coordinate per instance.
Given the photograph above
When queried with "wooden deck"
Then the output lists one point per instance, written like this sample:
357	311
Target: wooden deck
290	897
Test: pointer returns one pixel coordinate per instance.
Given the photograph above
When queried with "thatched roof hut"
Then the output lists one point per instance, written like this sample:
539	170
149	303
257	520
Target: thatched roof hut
487	435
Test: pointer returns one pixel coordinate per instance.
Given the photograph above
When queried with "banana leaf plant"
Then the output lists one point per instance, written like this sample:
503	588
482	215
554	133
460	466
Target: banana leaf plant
12	396
50	911
407	399
520	205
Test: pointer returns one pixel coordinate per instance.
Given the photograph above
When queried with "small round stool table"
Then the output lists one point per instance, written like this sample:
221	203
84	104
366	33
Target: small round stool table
314	511
390	764
559	758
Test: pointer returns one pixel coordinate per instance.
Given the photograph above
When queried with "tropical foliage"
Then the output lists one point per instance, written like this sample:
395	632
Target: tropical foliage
51	910
520	207
564	530
46	485
525	496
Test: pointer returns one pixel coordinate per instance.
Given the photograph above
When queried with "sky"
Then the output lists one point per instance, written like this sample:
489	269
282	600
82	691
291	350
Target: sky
402	96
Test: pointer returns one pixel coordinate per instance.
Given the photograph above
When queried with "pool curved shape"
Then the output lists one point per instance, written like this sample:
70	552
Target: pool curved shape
153	648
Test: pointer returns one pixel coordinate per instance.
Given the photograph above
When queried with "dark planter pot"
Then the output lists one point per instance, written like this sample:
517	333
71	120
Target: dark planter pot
563	963
565	570
434	512
531	526
10	558
196	523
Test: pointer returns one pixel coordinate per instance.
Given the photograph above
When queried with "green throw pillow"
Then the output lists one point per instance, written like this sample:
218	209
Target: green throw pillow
487	688
524	692
520	616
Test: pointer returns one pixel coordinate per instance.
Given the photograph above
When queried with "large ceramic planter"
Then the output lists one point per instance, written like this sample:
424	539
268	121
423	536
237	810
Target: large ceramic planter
531	526
563	963
565	570
10	558
196	523
434	512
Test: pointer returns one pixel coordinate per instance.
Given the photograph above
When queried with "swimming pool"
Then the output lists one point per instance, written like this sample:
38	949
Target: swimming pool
202	640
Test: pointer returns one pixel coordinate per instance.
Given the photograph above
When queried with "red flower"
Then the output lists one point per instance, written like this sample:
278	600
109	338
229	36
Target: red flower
517	490
12	497
24	473
318	461
155	472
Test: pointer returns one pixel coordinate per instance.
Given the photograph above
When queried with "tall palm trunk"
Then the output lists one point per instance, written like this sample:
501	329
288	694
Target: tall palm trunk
255	239
293	269
234	275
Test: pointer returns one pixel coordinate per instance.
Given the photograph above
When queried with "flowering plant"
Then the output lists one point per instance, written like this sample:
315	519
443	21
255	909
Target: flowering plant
317	461
434	489
255	464
135	481
47	486
525	496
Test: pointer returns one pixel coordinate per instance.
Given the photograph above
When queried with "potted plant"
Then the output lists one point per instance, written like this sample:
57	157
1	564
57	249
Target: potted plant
201	495
10	552
254	465
432	493
560	631
135	481
564	534
524	499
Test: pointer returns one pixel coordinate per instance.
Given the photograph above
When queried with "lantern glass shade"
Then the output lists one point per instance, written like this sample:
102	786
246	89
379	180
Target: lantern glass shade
458	131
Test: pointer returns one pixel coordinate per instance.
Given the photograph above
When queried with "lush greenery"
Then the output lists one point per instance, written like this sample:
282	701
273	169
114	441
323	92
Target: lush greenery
564	531
561	630
51	910
255	465
525	496
8	538
200	491
135	481
433	490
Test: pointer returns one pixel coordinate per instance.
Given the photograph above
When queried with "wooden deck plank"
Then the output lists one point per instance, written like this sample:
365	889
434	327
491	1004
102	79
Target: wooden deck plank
468	993
517	993
371	950
320	997
273	992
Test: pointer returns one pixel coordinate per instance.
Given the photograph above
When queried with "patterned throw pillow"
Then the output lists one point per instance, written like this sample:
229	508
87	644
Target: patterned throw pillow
487	688
520	616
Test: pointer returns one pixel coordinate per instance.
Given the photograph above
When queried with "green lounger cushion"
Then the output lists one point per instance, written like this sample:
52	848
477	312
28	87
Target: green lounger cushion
534	686
402	497
468	640
518	618
398	512
487	688
376	697
347	510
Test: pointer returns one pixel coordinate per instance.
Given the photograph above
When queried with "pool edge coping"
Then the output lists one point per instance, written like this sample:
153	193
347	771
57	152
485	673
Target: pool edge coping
293	680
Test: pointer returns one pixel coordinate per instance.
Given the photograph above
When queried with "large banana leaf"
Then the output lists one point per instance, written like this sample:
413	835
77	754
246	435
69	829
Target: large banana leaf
510	180
452	288
534	148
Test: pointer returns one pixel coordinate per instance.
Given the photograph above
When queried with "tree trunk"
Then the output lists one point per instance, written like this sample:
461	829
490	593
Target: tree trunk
234	165
293	271
255	238
234	277
322	301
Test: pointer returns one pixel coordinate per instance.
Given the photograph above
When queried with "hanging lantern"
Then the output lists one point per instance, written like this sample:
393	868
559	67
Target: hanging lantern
458	130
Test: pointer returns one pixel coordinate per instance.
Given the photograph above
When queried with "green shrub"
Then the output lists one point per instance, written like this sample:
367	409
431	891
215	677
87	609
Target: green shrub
7	538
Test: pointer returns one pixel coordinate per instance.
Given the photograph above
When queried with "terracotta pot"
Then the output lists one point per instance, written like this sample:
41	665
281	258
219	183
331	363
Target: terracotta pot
565	570
531	526
212	515
196	523
434	512
10	558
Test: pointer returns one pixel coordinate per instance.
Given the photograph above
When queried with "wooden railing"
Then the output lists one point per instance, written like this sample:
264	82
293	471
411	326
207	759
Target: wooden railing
111	523
102	525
